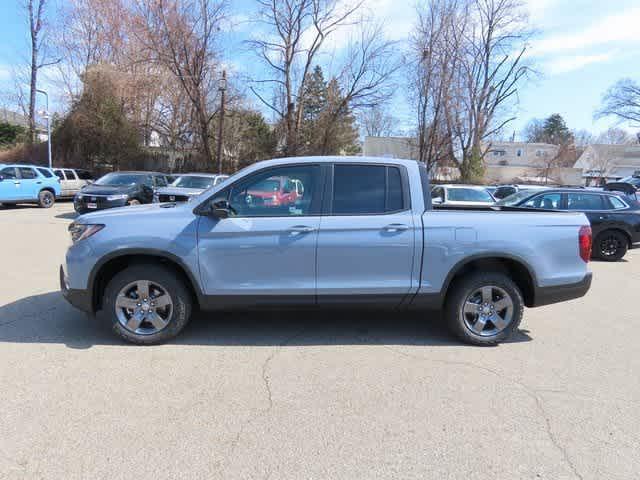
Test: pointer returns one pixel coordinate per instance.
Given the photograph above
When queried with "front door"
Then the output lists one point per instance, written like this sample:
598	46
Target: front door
10	184
366	241
265	251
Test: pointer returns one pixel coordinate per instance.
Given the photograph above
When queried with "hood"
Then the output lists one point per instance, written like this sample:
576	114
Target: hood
192	192
107	189
134	213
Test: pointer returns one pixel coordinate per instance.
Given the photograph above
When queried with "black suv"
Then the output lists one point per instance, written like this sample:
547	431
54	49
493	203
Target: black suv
118	189
615	219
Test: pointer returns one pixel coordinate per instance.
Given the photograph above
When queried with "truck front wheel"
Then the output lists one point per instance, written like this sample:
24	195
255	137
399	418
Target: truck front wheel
484	308
147	304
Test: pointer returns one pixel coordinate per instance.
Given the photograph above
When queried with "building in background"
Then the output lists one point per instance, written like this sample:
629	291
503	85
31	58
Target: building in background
505	162
8	116
603	163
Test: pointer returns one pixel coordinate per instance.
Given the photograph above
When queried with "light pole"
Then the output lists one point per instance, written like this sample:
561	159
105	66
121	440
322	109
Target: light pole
47	116
222	86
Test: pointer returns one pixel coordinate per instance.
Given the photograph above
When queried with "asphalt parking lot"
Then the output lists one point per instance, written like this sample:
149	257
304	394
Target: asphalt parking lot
299	396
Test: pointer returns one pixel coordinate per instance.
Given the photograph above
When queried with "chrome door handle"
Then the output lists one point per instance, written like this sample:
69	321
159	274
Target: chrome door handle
16	183
39	183
299	229
396	227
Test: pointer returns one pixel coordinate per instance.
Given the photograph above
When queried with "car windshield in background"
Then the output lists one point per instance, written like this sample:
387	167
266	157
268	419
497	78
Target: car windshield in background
469	195
119	179
201	183
514	199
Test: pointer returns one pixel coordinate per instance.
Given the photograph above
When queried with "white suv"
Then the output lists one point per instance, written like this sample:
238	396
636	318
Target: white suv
72	180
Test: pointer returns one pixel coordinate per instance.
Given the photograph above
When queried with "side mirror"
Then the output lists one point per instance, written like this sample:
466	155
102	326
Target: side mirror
220	208
437	200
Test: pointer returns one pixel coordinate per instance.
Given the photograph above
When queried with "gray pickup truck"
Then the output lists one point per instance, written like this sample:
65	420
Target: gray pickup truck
323	232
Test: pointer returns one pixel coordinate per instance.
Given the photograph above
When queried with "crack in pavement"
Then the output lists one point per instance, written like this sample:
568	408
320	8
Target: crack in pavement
531	392
267	385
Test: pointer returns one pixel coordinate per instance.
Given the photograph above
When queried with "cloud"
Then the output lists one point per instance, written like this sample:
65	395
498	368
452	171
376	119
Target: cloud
617	28
569	63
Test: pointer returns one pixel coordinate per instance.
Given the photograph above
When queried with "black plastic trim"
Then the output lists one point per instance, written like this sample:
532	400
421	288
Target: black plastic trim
81	299
141	251
561	293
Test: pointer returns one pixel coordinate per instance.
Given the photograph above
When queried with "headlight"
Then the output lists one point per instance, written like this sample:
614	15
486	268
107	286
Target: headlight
81	231
121	196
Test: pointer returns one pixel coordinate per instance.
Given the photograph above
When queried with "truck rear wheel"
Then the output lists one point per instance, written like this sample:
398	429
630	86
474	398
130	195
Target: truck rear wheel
147	304
484	308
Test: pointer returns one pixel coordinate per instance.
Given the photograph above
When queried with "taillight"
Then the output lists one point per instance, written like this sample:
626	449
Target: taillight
585	242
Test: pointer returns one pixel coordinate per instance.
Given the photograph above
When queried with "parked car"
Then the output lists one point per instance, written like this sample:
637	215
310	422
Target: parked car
118	189
615	219
503	191
72	180
187	186
461	196
28	184
361	233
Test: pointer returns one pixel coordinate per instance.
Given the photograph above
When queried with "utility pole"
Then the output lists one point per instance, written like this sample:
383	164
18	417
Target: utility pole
222	86
47	116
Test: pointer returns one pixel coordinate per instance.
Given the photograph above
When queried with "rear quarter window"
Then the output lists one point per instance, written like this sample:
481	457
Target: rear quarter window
45	172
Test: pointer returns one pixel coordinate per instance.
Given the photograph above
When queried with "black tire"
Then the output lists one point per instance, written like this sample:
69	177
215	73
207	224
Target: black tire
610	246
46	199
156	274
461	293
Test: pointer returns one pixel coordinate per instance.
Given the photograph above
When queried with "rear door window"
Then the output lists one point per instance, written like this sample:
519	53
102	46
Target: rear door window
367	189
45	172
27	173
585	201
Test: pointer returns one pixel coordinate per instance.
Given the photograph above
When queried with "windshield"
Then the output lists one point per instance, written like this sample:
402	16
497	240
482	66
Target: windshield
121	179
201	183
515	198
469	195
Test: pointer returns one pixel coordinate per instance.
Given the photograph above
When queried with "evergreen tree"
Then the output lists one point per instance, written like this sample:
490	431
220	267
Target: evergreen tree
555	130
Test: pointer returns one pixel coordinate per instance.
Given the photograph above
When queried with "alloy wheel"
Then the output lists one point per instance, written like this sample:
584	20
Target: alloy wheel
609	246
144	307
487	311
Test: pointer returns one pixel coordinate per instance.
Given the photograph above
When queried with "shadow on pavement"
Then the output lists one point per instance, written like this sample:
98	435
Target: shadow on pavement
67	215
48	318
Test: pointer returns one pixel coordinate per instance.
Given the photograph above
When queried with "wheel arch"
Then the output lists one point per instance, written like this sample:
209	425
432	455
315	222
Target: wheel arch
616	228
112	264
516	268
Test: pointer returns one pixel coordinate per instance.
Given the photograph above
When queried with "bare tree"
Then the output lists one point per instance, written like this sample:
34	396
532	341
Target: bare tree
377	122
296	33
622	101
491	68
614	136
181	36
365	81
435	57
39	56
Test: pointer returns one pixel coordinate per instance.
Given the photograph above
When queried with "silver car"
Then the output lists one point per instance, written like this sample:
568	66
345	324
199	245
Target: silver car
461	196
72	180
187	186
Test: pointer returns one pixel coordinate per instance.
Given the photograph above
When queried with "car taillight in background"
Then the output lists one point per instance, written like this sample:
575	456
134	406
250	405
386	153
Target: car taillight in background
585	241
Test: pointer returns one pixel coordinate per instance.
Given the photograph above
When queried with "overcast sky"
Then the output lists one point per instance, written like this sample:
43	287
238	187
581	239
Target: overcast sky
582	47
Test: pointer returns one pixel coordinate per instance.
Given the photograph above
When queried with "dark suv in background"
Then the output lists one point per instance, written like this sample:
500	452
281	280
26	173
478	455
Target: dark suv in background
614	218
118	189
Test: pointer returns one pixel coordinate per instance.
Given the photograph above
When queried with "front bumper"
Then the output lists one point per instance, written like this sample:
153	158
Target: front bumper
561	293
81	204
81	299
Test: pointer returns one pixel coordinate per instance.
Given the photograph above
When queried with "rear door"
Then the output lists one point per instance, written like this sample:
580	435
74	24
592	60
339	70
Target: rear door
30	183
72	185
10	184
593	206
366	241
